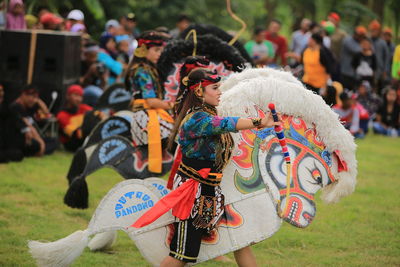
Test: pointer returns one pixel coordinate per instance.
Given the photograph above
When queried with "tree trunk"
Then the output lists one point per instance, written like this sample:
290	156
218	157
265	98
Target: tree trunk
270	7
313	10
378	8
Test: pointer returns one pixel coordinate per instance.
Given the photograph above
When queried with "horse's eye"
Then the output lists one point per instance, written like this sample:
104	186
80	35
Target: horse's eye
316	174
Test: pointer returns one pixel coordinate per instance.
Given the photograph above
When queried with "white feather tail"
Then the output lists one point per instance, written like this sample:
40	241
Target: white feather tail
103	241
61	252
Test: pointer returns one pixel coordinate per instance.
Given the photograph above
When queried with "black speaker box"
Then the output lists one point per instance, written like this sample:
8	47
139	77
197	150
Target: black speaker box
56	63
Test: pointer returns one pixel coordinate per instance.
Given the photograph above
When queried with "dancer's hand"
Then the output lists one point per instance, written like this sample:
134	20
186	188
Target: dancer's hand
268	121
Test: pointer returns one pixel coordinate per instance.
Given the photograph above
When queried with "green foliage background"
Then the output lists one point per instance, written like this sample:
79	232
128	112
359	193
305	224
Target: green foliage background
154	13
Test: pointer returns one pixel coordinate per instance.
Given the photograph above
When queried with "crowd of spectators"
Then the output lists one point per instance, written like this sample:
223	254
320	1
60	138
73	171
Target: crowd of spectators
357	73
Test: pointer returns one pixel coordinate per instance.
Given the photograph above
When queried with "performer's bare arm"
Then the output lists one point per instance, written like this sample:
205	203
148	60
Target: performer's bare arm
158	103
244	124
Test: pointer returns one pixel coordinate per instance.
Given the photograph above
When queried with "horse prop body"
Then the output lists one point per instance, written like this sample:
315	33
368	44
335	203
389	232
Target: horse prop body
254	183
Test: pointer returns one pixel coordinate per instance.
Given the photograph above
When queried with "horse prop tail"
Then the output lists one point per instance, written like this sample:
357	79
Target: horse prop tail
61	252
123	204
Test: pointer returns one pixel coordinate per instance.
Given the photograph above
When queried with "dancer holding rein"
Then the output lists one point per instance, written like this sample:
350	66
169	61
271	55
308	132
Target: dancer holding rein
197	201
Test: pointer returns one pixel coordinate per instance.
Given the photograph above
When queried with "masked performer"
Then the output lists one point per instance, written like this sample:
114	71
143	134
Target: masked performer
197	201
151	124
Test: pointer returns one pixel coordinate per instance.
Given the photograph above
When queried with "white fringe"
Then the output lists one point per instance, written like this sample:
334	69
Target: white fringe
103	241
59	253
261	86
250	73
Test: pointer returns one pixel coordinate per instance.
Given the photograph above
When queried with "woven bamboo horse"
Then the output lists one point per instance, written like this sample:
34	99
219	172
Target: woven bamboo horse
257	195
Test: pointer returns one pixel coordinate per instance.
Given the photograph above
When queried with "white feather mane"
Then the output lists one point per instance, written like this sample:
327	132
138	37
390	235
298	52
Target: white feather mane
261	86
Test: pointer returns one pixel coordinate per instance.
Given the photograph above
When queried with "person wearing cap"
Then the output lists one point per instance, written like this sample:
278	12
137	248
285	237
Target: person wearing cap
132	24
328	28
337	36
70	118
112	27
110	30
74	16
50	21
382	55
129	23
351	46
128	27
387	37
23	115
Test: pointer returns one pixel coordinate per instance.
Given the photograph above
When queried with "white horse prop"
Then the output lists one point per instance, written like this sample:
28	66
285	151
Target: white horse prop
257	195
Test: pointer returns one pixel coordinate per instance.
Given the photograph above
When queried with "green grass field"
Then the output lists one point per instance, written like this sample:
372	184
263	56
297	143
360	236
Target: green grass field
361	230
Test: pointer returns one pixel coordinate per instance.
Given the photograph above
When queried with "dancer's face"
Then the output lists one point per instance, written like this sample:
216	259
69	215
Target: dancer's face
212	94
154	53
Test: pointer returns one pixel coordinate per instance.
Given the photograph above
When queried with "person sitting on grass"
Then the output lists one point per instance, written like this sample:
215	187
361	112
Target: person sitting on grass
70	118
23	133
387	118
349	115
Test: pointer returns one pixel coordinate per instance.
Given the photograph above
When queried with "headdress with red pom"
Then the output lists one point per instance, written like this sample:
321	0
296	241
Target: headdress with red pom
147	40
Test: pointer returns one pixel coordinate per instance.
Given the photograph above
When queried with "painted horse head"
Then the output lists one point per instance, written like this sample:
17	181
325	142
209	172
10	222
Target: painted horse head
310	168
322	152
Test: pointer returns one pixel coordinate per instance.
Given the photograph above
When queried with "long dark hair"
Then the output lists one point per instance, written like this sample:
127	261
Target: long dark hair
191	63
189	101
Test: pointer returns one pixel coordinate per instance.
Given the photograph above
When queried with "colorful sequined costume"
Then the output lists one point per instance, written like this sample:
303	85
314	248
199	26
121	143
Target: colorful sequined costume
149	126
197	201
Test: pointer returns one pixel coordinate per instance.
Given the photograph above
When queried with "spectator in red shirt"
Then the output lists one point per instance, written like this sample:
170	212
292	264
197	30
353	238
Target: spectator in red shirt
70	118
280	42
